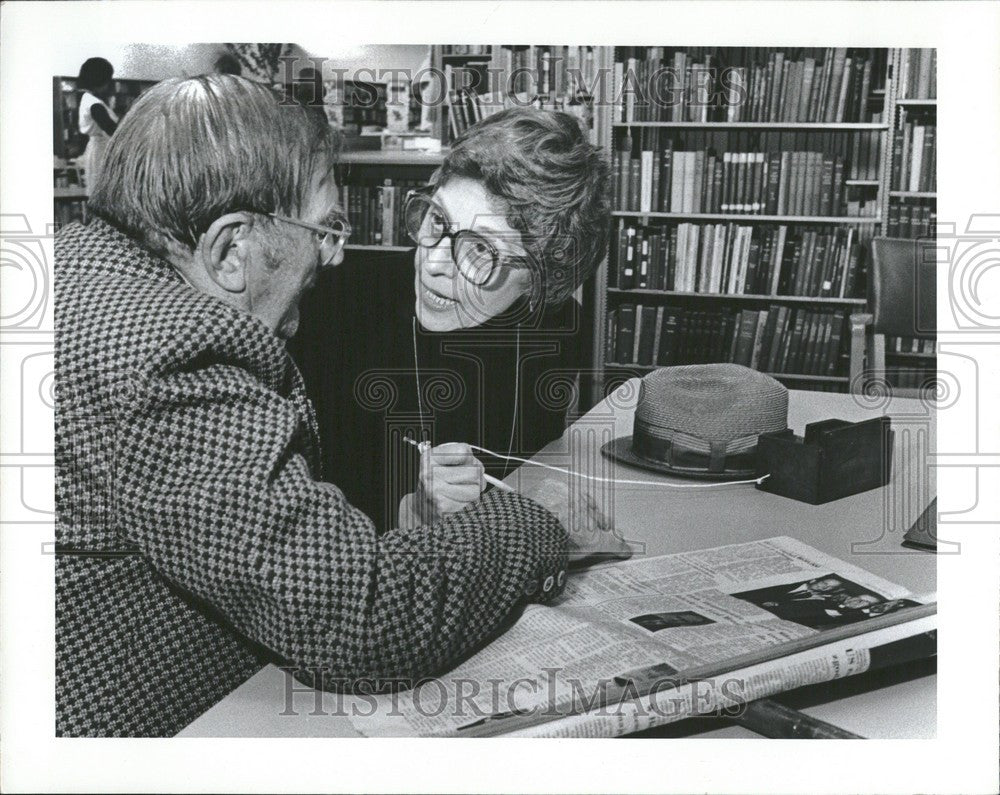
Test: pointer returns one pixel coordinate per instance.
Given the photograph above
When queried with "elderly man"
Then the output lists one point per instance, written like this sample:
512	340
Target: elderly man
195	540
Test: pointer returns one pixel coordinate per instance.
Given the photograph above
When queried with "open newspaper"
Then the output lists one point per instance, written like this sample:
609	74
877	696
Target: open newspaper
655	640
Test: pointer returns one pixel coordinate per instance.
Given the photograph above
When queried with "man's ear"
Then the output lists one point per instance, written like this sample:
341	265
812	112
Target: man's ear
223	252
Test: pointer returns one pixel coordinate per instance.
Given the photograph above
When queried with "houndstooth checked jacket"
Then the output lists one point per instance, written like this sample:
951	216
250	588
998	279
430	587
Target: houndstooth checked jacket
193	539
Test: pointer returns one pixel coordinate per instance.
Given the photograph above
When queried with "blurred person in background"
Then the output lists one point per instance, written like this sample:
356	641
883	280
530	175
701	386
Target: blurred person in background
96	118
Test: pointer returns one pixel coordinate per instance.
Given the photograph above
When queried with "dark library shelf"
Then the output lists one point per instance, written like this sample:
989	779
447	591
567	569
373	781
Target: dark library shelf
755	125
740	297
832	379
751	218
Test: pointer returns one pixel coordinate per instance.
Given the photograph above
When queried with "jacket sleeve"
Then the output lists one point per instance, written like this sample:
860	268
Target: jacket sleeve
214	490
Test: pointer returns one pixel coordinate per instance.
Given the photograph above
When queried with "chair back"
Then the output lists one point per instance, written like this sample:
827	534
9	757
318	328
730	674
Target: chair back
903	288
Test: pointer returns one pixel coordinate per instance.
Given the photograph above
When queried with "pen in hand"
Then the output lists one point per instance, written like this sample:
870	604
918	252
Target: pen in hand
424	446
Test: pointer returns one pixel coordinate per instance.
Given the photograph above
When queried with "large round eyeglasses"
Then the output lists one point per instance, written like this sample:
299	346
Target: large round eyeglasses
474	254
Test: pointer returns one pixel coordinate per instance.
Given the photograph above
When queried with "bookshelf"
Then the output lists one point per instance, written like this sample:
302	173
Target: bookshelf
495	76
373	186
750	268
910	206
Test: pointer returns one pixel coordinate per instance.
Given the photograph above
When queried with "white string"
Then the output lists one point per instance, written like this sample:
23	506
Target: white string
758	481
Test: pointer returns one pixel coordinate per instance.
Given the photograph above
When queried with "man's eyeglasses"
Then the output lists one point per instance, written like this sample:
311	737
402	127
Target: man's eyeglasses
331	238
475	255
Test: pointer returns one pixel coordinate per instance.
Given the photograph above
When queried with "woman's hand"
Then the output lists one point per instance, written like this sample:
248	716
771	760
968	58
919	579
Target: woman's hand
451	477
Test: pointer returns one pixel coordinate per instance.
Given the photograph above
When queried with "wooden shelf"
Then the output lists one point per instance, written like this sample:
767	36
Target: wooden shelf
783	219
831	379
917	102
364	247
465	57
913	194
69	193
910	355
853	183
797	299
756	125
380	157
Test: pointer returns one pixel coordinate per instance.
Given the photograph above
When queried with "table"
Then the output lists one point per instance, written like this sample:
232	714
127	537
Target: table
865	529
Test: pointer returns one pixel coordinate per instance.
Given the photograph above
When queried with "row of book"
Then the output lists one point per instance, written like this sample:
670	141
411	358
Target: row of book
778	339
918	74
761	183
914	156
375	211
678	88
911	219
548	70
909	345
465	49
466	107
732	259
922	378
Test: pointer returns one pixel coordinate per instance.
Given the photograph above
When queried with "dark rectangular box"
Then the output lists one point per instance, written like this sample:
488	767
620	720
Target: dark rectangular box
835	459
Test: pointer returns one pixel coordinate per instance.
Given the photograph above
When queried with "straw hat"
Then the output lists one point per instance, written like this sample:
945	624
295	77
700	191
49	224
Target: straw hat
702	421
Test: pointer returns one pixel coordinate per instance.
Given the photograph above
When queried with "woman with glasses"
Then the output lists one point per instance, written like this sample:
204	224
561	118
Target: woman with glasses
511	224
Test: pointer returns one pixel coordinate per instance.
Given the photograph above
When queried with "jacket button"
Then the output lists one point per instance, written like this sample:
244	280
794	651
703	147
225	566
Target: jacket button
531	588
547	585
561	578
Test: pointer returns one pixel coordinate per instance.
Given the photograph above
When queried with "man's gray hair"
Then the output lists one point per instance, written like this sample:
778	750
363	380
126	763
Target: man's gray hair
191	150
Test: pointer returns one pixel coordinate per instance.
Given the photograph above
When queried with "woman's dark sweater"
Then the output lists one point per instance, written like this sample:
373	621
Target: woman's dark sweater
355	347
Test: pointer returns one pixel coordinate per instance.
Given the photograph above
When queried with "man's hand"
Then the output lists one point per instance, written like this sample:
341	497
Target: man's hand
591	534
451	477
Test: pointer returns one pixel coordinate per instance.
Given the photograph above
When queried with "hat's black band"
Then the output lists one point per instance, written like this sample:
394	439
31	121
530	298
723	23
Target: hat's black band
665	451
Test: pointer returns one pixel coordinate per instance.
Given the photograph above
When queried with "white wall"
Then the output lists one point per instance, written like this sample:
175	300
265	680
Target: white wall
139	61
377	57
157	61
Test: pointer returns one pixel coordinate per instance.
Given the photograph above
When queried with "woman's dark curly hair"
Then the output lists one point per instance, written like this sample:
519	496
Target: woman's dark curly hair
552	182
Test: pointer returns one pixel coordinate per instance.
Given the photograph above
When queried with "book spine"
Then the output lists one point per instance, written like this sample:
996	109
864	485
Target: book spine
745	337
657	335
794	359
826	186
626	333
698	179
610	335
777	340
645	336
627	274
784	183
677	182
917	158
689	181
833	351
636	336
635	184
642	251
668	340
926	181
758	339
646	181
666	177
837	201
